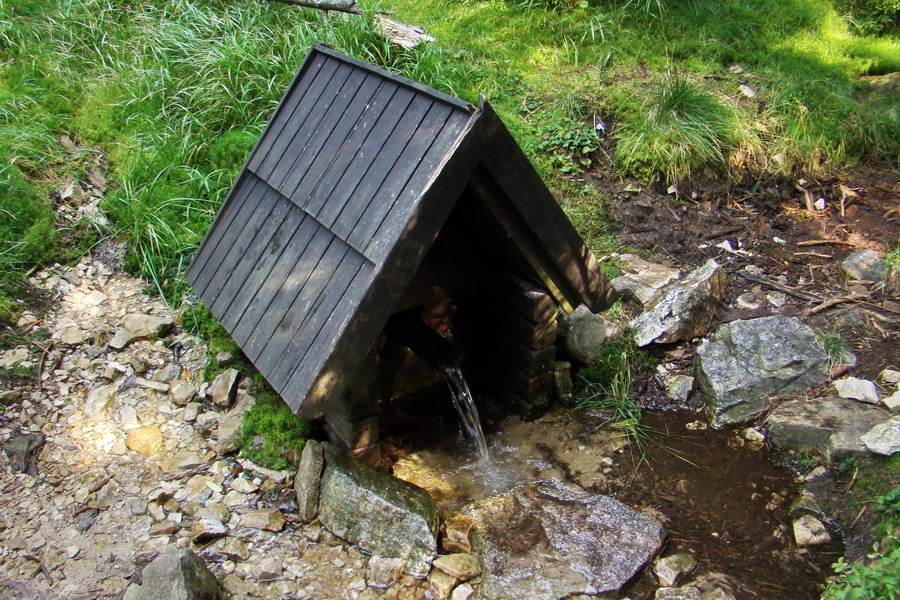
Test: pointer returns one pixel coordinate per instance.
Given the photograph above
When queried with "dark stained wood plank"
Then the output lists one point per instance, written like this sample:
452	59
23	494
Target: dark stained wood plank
315	163
301	327
301	92
244	205
315	131
397	181
228	262
282	284
256	338
385	221
259	266
383	154
293	315
234	282
350	149
311	370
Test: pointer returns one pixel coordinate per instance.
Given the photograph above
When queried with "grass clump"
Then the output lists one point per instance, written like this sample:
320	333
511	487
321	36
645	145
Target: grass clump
836	346
271	432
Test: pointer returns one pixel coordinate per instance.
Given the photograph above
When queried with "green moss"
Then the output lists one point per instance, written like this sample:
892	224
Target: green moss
271	430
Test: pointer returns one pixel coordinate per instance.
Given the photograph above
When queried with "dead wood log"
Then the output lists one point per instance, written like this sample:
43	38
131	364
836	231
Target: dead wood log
347	6
402	34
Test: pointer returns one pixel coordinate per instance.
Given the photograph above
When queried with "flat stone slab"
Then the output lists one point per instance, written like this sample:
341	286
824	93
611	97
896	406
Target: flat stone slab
551	539
833	426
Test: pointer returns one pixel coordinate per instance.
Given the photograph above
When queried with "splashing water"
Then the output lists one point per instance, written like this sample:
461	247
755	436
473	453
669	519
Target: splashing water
465	406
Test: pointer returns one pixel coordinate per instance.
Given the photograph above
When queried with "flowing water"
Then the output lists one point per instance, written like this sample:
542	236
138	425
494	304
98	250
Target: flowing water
465	406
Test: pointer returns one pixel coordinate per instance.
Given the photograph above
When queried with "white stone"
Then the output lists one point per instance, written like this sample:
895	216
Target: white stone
890	376
884	438
857	389
463	592
809	531
892	401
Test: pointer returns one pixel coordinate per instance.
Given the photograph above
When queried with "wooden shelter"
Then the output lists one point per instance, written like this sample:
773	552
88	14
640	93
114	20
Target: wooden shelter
369	195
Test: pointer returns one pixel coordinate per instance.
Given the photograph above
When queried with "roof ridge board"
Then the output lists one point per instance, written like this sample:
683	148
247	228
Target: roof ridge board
398	79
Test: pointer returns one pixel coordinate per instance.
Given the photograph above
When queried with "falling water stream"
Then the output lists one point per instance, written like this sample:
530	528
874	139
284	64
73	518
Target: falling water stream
465	406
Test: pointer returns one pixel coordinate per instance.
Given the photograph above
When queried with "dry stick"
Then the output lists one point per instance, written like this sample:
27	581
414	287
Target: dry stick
813	254
44	349
781	287
824	242
832	302
41	565
858	516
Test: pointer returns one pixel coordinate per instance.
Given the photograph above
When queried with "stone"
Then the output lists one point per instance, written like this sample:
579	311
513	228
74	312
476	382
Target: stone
683	310
461	567
121	339
176	574
72	336
833	426
441	584
190	412
146	326
222	389
267	519
243	485
645	280
13	358
883	438
165	527
216	511
380	514
463	592
230	425
892	402
749	361
680	593
99	399
224	358
206	529
228	547
890	376
268	569
714	586
680	387
22	451
672	568
382	573
809	531
147	440
857	389
866	265
182	392
585	333
553	539
455	530
308	480
152	385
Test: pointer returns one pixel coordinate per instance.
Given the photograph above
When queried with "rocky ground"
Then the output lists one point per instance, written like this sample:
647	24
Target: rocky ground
120	450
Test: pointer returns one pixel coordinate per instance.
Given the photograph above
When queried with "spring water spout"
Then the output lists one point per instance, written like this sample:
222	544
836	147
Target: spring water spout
465	406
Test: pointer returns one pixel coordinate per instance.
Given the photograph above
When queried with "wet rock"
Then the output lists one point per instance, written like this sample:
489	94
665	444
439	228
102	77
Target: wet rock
584	334
379	513
146	326
645	280
684	310
230	425
679	593
747	362
455	530
461	567
680	387
865	265
382	573
267	519
223	387
121	339
857	389
306	483
833	426
809	531
883	438
22	450
176	574
147	440
553	539
672	568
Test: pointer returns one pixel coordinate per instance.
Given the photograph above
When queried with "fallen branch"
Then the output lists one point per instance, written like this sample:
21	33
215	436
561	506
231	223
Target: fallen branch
780	287
824	242
347	6
833	302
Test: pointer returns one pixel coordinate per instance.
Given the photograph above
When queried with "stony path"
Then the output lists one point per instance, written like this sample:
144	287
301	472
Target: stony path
129	466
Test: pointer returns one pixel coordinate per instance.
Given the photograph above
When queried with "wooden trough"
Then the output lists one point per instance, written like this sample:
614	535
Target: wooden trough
372	203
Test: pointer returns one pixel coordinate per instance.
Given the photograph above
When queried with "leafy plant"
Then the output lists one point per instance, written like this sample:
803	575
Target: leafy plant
271	430
871	16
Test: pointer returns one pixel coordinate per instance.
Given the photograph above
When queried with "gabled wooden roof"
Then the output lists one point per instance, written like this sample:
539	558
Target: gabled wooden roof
338	203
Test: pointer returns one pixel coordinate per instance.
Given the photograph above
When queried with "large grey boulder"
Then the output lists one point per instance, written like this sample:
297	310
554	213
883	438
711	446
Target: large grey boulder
747	362
380	514
683	310
552	539
176	574
584	334
866	265
832	426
